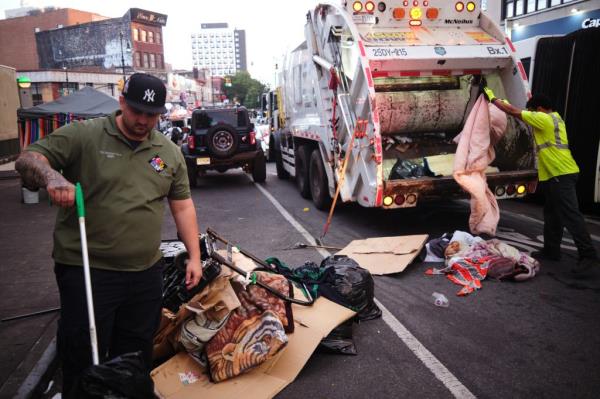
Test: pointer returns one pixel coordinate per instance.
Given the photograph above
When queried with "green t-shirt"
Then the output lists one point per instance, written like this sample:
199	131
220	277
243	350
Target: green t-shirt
554	156
124	191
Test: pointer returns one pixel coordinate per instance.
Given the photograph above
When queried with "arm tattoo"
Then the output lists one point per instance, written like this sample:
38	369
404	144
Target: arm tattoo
36	172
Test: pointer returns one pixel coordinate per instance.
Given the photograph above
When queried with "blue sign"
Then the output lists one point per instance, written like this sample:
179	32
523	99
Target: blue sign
560	26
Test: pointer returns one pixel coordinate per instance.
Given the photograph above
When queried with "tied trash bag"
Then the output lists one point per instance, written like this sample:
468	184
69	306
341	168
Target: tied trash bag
340	340
122	377
351	286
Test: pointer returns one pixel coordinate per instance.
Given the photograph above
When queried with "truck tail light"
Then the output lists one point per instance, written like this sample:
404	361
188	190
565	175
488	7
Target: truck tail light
432	13
370	6
252	137
387	200
470	6
500	191
399	200
399	13
521	189
191	142
532	186
510	190
357	6
411	198
459	6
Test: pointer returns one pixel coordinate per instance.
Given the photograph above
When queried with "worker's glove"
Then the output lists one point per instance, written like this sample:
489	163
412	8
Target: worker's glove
489	94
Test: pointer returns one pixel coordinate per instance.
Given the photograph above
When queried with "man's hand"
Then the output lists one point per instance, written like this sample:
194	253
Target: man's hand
193	273
35	170
489	94
61	191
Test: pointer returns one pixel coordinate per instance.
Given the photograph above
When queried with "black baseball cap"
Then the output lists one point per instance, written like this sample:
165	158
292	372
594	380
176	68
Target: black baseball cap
146	93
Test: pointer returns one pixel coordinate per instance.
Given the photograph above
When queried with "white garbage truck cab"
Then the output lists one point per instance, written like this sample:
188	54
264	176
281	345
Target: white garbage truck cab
412	70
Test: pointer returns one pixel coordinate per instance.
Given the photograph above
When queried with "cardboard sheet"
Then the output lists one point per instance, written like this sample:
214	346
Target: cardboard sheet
182	377
385	255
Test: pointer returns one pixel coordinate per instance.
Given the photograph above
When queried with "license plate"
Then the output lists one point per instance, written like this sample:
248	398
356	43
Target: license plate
364	19
202	161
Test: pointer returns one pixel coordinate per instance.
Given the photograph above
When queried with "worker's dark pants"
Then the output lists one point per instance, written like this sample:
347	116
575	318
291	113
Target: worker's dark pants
127	307
561	210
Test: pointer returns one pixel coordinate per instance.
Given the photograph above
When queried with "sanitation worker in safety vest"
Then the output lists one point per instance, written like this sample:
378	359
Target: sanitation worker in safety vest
557	173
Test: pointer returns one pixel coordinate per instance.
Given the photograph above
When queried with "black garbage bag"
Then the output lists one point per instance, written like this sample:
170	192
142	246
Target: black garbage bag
122	377
340	340
351	286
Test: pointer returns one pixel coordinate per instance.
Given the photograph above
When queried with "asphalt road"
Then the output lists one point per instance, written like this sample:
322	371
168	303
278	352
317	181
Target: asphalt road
532	339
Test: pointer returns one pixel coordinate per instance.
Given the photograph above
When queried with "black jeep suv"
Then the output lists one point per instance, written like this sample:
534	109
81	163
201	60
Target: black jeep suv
222	139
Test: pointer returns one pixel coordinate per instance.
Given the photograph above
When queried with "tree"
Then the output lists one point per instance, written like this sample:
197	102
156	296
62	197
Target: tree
246	89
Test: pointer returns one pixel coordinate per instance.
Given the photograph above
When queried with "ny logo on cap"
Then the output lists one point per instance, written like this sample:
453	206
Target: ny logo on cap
149	95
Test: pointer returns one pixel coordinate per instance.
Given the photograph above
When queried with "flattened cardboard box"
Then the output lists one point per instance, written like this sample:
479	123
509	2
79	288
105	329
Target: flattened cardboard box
182	377
385	255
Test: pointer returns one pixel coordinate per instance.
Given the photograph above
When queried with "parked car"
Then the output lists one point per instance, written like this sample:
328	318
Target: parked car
222	139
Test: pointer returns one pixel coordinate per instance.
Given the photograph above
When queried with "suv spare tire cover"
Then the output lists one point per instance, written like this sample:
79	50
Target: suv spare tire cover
223	141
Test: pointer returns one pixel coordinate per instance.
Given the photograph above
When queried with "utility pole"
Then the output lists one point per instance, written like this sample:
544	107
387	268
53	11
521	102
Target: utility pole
122	56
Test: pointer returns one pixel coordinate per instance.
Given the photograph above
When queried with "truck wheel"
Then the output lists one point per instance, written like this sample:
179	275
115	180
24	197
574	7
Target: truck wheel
318	182
302	181
223	141
281	172
259	168
192	172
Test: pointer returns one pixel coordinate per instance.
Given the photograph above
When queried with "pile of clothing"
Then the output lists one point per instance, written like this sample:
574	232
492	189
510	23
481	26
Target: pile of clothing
470	259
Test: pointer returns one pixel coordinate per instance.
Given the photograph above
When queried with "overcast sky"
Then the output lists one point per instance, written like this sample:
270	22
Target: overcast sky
272	26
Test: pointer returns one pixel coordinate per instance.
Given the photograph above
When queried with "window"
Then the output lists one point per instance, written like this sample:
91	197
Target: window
531	5
36	94
158	38
554	3
159	61
150	37
138	61
136	34
519	7
509	10
152	61
145	58
143	35
541	4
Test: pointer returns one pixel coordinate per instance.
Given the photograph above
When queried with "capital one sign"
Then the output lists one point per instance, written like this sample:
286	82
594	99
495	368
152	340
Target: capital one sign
590	23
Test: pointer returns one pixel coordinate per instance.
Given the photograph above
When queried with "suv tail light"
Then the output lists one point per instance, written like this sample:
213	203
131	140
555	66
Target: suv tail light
252	138
191	142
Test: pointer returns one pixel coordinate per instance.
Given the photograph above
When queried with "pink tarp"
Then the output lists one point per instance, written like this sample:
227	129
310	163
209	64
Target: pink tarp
475	151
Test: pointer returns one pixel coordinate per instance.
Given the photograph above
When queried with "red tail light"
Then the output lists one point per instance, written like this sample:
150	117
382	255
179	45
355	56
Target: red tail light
399	200
252	138
191	142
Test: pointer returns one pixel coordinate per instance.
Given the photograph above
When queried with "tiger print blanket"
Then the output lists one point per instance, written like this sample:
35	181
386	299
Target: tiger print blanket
255	332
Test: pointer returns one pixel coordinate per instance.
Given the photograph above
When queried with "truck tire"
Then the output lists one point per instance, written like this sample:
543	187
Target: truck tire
281	172
302	181
259	168
192	172
318	182
223	141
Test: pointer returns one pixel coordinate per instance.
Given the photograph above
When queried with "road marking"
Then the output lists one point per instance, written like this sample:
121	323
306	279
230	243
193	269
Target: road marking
421	352
534	220
592	221
433	364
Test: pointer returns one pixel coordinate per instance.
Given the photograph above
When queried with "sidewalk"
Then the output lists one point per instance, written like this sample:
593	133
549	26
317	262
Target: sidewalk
27	283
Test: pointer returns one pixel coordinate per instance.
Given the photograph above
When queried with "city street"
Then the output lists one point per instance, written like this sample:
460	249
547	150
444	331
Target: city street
532	339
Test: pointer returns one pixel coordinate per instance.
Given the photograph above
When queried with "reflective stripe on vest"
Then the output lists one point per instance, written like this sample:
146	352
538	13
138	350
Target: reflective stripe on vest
558	143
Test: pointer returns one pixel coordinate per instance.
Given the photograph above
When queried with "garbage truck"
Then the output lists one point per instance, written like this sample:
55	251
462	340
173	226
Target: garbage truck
410	71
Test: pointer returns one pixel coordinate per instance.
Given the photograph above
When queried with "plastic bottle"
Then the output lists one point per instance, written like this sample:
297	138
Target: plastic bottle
440	300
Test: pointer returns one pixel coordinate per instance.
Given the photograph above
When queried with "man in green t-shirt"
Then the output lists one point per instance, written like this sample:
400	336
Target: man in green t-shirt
126	170
557	173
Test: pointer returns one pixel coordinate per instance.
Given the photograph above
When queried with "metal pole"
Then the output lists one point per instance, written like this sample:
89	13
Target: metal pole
122	56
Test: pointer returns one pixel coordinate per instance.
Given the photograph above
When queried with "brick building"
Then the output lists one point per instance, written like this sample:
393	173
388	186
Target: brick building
64	50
